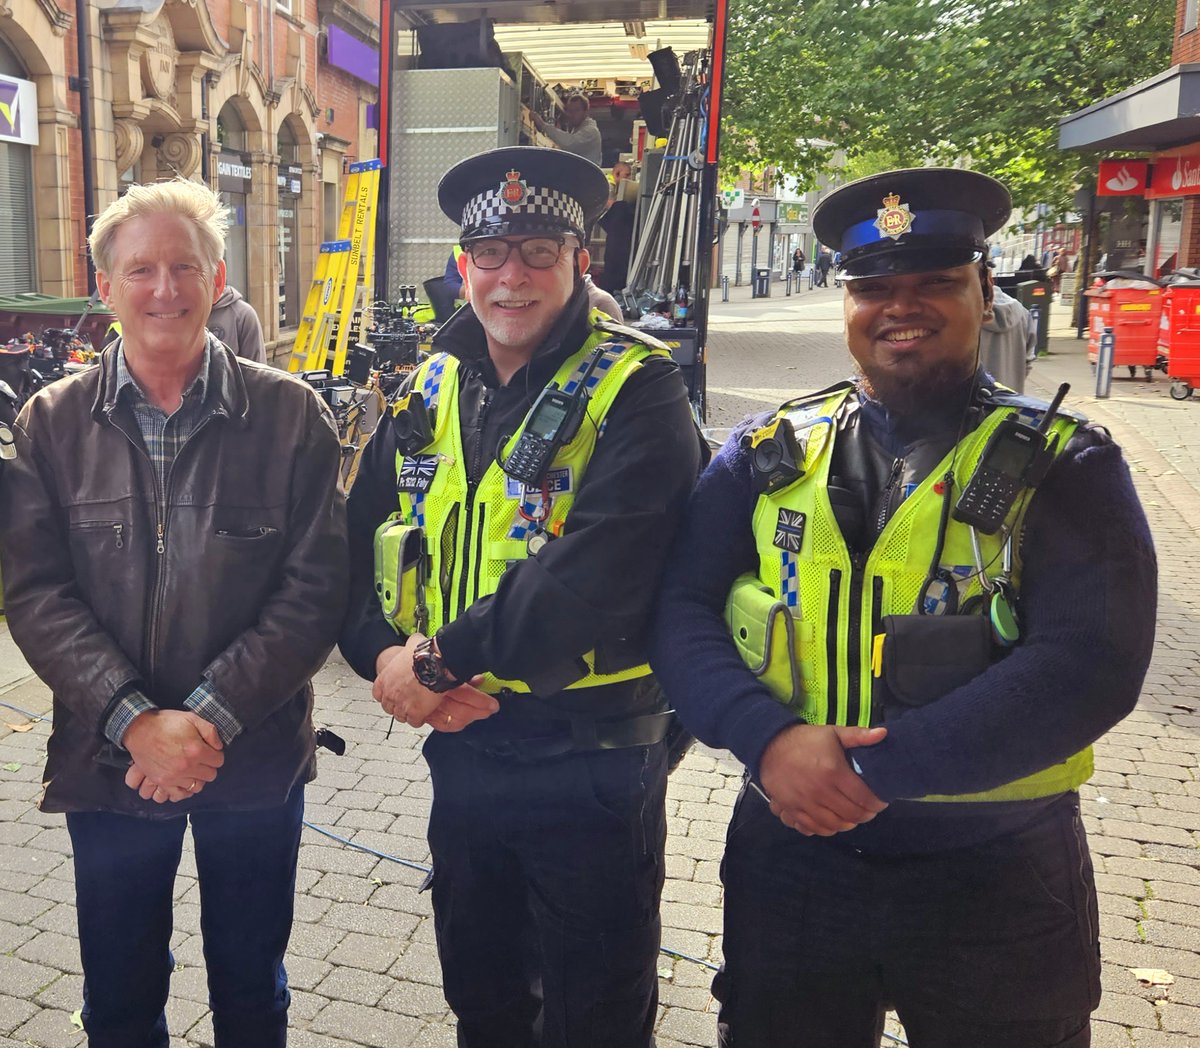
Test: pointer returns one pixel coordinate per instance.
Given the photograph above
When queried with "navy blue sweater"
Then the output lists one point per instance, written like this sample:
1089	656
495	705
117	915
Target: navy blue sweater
1088	601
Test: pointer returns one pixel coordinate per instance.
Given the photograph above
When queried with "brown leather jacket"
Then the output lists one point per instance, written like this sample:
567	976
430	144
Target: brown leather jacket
245	586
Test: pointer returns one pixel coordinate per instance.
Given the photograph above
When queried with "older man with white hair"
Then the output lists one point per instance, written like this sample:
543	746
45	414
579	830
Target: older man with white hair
174	553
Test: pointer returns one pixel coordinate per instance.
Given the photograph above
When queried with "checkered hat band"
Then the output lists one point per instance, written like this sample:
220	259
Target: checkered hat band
538	202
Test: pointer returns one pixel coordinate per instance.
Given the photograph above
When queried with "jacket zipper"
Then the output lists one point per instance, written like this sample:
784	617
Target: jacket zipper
474	475
876	629
885	500
161	501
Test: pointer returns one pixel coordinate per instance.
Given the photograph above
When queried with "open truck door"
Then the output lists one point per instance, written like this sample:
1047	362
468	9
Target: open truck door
458	78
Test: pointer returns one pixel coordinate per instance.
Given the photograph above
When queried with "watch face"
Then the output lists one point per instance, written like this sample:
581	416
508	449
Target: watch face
429	671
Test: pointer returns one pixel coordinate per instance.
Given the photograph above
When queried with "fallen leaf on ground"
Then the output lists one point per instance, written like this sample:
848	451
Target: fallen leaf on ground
1152	976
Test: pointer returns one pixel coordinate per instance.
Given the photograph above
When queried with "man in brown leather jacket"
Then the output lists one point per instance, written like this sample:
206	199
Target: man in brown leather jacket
174	556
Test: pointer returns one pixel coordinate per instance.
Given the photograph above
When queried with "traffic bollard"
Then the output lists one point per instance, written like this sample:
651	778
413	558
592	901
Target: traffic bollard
1104	363
787	284
725	288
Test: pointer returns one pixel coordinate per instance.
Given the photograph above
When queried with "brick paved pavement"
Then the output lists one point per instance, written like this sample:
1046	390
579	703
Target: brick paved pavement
362	961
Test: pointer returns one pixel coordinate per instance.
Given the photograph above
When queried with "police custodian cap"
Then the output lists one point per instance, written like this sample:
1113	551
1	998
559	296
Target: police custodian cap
911	221
521	190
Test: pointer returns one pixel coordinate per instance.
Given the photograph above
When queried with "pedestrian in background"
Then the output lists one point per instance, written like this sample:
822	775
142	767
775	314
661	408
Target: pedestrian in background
824	263
234	322
914	699
174	555
1007	341
798	262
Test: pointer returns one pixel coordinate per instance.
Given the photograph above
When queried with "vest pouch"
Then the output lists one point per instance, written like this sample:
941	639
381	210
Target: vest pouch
764	633
400	573
927	656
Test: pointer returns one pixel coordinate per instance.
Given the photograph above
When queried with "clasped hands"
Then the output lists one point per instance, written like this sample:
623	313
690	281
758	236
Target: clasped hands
176	753
809	782
404	697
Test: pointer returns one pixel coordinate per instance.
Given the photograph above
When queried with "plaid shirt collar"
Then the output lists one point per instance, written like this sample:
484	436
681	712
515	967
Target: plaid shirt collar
125	378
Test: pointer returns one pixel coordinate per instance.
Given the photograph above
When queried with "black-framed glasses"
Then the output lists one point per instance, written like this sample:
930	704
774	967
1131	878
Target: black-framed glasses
536	252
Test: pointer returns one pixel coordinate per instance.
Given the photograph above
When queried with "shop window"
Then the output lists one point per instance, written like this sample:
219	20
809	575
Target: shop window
19	272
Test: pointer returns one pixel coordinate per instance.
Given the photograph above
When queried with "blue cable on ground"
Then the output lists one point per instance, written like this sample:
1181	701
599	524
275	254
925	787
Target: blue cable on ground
428	869
24	713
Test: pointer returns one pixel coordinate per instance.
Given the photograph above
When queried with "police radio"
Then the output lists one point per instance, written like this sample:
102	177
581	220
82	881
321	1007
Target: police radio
552	422
411	424
1016	457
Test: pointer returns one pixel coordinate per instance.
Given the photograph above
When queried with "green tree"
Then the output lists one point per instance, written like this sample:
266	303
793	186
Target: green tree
949	81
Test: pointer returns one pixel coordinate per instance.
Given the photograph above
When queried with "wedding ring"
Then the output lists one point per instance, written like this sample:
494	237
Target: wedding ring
192	787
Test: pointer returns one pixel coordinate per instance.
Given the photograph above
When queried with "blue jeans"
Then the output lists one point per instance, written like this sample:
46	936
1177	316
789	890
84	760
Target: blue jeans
124	878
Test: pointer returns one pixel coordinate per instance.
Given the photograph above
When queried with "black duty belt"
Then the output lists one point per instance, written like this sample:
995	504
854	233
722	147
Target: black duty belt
560	735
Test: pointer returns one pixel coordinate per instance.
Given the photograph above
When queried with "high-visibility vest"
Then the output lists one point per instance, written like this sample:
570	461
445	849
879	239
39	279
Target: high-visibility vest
808	620
470	535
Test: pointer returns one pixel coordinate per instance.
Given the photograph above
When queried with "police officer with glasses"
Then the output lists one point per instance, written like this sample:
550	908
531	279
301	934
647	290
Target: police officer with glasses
508	528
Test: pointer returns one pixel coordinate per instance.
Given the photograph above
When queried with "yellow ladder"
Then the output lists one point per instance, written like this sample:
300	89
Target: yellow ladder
342	283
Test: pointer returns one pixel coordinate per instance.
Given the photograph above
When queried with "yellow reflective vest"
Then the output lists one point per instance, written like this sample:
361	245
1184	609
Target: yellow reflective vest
808	623
450	541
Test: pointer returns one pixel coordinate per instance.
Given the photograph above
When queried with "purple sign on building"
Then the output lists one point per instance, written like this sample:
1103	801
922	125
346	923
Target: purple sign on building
18	111
10	108
351	54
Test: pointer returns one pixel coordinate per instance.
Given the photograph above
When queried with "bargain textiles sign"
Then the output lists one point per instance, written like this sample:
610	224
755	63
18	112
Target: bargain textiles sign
1121	177
1175	175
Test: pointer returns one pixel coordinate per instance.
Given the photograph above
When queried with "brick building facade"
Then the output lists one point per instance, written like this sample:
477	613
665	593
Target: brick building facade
257	99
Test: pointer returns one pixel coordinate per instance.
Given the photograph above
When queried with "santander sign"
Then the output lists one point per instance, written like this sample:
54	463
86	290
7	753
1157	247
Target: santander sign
1175	176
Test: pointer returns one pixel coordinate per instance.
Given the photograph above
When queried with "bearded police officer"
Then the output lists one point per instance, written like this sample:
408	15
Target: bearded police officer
909	604
509	525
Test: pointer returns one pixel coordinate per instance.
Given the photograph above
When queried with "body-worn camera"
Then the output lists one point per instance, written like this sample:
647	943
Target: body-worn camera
774	455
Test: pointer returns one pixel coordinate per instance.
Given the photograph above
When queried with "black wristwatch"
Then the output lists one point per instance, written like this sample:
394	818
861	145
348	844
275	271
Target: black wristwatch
429	669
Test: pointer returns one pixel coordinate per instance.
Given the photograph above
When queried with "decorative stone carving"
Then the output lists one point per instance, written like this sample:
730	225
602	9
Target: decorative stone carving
158	61
129	142
182	152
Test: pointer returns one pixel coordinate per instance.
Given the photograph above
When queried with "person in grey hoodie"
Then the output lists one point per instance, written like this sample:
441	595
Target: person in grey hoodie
235	323
1008	341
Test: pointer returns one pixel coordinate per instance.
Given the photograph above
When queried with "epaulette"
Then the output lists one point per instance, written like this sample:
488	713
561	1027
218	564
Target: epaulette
603	322
1002	397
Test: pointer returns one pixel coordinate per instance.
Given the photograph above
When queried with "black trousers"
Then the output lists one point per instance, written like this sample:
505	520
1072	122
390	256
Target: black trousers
546	884
992	946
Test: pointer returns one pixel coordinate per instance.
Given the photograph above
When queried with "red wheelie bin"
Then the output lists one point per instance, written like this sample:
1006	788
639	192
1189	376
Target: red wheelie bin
1133	313
1181	330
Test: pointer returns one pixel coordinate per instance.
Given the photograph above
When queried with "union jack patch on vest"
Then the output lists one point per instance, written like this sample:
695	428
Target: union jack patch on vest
789	530
416	474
